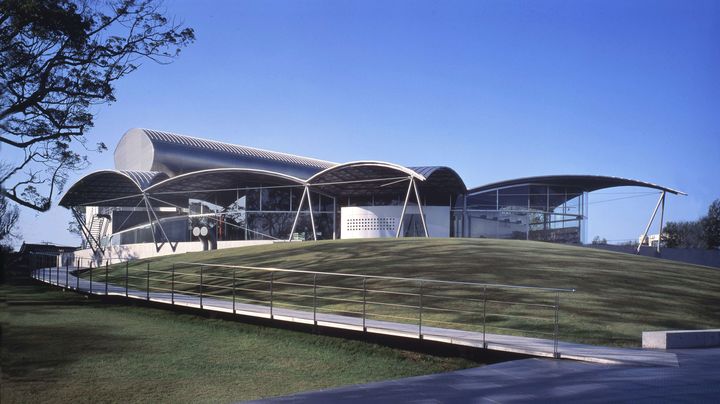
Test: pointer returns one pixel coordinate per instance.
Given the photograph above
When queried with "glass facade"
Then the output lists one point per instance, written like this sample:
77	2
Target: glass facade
524	212
257	213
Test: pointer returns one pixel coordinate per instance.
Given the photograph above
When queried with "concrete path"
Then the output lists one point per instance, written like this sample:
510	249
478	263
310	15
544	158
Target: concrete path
695	380
524	345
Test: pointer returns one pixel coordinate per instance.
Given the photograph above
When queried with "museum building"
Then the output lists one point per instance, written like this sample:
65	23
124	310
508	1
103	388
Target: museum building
174	193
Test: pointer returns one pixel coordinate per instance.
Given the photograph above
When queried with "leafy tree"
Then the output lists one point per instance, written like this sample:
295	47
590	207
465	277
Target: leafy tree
59	58
684	235
711	225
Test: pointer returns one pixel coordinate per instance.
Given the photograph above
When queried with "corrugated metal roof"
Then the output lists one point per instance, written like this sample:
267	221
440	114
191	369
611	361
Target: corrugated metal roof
236	149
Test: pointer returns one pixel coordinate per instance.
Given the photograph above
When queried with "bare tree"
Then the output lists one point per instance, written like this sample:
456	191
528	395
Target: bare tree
59	58
8	218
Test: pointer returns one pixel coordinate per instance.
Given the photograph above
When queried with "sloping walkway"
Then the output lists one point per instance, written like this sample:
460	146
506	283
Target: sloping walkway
695	380
523	345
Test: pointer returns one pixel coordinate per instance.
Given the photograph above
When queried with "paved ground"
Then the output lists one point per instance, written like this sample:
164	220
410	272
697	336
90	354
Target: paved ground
695	380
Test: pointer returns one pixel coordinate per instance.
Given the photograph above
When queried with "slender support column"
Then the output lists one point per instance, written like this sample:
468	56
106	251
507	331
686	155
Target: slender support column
150	221
233	291
334	218
484	314
201	286
315	299
272	278
126	278
147	296
297	214
150	211
647	228
172	285
419	202
312	219
662	214
106	278
402	214
420	311
556	354
364	302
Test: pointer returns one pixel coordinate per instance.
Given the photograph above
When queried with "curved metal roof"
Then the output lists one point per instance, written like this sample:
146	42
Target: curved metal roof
367	177
151	150
440	177
110	188
587	183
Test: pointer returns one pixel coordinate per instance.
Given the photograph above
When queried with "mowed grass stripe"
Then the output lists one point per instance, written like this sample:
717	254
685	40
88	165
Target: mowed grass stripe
618	295
62	347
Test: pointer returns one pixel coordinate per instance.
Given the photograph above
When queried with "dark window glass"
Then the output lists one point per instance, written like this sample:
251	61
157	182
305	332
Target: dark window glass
514	198
482	201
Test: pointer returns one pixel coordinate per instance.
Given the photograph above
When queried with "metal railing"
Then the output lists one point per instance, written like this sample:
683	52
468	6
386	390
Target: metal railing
425	308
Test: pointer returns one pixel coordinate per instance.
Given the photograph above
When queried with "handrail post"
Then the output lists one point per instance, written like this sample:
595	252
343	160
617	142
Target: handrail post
233	290
147	291
364	301
315	299
126	278
272	278
77	275
67	276
420	311
201	286
172	285
556	354
91	278
57	276
484	314
106	278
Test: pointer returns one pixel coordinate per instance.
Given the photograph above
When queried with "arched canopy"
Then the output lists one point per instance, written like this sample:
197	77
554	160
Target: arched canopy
585	183
110	188
440	178
363	178
378	177
221	184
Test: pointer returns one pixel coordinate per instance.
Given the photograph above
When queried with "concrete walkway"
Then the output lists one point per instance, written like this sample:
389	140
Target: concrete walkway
695	380
523	345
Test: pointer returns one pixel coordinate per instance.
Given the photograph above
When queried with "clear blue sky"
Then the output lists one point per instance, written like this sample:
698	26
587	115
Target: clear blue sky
494	89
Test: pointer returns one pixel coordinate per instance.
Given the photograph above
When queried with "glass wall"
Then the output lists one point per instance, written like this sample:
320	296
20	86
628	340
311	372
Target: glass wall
525	212
253	213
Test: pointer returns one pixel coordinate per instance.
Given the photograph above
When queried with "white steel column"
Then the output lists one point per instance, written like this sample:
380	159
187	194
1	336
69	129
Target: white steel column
647	228
312	220
419	202
402	215
662	214
297	215
334	217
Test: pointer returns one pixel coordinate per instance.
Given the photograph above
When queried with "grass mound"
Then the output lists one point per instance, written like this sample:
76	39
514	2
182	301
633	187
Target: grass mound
617	295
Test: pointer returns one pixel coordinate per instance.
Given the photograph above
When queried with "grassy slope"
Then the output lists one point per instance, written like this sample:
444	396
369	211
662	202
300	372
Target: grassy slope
62	347
618	295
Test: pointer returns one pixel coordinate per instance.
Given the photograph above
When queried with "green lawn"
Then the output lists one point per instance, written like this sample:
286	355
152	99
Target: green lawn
618	295
63	347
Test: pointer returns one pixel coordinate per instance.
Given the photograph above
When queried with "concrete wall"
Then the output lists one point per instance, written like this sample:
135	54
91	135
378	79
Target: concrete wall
710	258
382	221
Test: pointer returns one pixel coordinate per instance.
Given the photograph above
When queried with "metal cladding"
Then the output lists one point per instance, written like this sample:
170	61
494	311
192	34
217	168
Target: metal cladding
150	150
